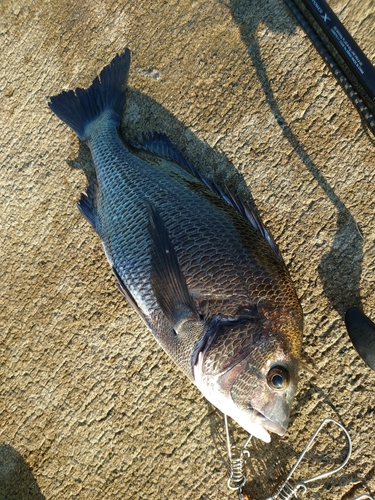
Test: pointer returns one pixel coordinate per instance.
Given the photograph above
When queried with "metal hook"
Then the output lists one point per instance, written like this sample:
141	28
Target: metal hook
236	479
288	490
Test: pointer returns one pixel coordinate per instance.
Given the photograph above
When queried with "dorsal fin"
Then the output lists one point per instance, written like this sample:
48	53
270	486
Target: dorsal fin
160	145
243	208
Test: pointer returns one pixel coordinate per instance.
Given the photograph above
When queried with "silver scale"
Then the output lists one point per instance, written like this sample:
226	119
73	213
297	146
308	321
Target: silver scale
289	489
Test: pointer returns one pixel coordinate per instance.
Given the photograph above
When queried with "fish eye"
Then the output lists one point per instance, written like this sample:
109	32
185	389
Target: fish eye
278	378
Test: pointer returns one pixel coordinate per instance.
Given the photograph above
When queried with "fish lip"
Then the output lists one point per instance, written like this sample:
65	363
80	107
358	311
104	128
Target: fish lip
262	427
270	425
274	427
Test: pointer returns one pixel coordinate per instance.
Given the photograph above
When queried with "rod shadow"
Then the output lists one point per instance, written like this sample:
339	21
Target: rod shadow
16	478
340	268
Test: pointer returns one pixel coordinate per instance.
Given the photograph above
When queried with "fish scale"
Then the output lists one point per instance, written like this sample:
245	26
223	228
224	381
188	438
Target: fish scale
196	264
125	182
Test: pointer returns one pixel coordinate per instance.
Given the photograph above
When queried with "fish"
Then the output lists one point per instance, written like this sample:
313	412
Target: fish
193	259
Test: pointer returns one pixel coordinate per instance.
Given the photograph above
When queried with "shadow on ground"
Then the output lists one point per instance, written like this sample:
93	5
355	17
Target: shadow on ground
340	268
16	479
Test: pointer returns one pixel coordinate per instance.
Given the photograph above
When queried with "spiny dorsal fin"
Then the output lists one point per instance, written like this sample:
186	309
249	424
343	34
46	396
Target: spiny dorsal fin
243	208
160	145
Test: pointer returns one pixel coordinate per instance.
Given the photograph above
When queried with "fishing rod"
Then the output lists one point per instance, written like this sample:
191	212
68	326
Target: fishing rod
346	60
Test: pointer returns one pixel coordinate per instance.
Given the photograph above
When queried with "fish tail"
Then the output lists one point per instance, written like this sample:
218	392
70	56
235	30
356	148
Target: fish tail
80	108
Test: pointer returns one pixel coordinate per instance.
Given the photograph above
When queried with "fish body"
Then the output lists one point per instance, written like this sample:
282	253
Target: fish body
198	266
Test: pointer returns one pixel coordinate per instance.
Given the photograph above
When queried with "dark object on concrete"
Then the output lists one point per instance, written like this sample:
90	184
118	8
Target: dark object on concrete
344	44
16	478
347	62
361	331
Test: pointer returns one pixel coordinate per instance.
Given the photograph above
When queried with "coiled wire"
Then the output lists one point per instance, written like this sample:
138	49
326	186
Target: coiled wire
289	490
237	479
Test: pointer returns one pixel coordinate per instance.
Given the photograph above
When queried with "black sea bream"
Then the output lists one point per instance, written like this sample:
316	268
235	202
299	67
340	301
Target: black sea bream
197	265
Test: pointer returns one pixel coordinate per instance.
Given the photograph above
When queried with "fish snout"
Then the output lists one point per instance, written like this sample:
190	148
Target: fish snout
274	427
275	415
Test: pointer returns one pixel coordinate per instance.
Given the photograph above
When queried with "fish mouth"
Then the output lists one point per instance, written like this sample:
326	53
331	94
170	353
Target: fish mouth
271	426
261	427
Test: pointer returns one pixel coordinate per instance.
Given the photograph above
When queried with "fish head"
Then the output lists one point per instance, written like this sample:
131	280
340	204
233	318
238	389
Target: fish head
250	373
261	390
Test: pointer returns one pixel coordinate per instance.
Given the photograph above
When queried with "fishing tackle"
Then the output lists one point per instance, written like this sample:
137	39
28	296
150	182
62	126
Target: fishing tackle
363	497
289	489
236	479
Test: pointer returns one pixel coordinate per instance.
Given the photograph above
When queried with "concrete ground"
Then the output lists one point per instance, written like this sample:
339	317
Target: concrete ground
90	407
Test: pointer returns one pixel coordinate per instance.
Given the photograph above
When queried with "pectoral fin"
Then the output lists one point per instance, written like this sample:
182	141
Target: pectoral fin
167	280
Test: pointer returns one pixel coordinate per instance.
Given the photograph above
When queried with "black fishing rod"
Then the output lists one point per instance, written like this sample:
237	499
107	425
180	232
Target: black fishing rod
346	60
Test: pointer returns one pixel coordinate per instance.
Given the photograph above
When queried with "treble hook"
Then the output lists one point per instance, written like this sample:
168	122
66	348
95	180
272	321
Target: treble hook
288	490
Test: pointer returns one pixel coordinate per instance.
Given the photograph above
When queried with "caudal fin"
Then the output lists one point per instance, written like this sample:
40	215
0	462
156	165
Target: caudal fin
106	93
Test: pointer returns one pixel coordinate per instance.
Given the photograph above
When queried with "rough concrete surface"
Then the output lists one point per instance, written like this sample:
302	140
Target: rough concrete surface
90	407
